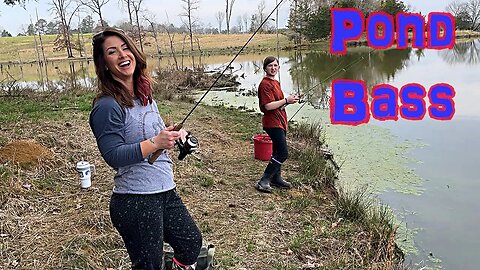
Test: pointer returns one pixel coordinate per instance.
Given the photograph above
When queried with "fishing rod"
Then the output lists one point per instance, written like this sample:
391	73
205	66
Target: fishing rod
157	153
358	60
327	153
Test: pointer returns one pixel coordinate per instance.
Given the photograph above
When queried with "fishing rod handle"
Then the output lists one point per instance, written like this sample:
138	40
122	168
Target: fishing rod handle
157	153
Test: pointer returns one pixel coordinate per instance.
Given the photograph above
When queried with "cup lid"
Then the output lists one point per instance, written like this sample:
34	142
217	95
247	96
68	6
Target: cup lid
82	163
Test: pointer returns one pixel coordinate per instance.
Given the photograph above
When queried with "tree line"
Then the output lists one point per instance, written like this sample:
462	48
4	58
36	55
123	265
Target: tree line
69	28
310	19
140	22
467	14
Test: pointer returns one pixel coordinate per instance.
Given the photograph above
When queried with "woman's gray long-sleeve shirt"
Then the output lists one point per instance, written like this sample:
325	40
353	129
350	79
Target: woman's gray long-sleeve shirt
119	131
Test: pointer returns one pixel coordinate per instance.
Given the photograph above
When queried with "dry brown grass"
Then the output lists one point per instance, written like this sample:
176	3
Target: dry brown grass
48	222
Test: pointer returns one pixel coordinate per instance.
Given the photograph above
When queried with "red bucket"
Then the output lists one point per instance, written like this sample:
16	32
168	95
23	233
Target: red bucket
262	146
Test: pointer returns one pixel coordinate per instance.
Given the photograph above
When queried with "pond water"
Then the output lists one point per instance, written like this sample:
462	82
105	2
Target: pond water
425	170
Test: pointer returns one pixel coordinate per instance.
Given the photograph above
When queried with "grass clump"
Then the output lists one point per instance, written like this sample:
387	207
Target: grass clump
309	148
302	239
358	217
205	181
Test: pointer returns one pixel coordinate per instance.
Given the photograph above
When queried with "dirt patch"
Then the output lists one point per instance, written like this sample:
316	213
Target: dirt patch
24	152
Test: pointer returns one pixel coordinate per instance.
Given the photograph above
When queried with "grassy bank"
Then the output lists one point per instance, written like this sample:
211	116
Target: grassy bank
48	222
22	49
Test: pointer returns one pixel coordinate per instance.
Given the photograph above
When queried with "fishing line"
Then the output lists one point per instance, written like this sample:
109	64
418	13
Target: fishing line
228	66
177	127
329	77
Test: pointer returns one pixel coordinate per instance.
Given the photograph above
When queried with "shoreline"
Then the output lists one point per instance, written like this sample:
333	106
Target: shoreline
266	43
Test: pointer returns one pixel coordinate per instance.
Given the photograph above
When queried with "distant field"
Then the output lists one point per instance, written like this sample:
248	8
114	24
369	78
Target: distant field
18	55
22	49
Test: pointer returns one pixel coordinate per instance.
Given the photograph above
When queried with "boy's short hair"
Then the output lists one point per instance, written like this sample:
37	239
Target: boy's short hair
268	60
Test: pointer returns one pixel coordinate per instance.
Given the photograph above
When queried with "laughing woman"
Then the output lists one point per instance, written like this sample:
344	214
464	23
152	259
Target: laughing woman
272	103
145	207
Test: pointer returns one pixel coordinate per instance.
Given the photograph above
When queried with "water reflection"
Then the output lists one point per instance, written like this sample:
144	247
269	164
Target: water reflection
307	69
465	52
310	70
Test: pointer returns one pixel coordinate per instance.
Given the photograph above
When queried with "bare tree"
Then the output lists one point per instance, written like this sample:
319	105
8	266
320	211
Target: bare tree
64	11
171	38
189	8
473	9
456	8
41	31
259	17
220	16
228	13
261	11
96	7
240	24
39	62
81	38
151	18
467	14
136	5
246	19
128	5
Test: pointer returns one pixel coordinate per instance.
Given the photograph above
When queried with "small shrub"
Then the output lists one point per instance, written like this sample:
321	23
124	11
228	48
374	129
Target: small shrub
205	180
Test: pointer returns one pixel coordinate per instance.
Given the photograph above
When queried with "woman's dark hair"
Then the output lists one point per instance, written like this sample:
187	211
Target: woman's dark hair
268	60
107	84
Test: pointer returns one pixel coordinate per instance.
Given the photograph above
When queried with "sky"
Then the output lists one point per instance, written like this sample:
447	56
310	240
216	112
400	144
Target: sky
15	19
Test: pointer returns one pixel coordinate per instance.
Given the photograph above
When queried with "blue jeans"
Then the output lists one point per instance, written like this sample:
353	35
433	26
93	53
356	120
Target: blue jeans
279	144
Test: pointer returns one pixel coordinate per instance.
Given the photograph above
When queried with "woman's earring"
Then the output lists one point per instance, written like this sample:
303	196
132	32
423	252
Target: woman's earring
106	68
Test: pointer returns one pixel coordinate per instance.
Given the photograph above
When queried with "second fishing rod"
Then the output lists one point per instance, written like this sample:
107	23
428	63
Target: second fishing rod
177	127
337	70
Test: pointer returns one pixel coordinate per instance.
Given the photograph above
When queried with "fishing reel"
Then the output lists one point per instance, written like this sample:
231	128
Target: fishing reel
301	99
189	146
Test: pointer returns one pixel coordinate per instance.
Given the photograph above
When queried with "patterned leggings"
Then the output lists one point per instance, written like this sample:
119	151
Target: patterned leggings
145	221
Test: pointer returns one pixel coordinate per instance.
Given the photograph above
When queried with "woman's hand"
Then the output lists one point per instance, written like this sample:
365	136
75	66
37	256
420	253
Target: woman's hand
166	138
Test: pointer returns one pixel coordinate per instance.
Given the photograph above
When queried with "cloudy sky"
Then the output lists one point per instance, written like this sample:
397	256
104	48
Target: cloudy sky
15	19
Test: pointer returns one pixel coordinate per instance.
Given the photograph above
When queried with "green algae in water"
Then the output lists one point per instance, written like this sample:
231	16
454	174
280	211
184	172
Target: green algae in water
405	238
371	157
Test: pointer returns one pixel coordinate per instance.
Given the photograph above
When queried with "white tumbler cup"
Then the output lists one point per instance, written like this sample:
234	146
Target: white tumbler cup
85	174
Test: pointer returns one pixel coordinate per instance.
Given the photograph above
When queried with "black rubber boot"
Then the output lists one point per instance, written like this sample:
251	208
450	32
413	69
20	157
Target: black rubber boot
277	181
264	184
